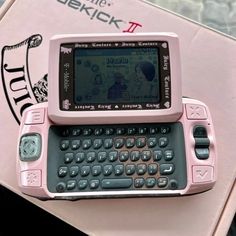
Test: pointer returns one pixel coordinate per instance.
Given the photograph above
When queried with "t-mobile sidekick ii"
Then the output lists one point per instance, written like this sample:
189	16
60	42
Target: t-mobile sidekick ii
115	124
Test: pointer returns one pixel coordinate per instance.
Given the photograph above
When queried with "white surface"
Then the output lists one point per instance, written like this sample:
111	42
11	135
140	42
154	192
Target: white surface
217	14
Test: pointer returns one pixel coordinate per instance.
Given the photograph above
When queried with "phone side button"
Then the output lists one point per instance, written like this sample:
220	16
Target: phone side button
35	116
203	174
31	178
195	112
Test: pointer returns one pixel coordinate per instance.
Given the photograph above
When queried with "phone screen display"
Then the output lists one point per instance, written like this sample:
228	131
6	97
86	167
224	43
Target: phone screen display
103	76
116	76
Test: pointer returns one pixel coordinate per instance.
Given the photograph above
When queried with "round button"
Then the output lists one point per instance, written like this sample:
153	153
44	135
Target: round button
173	184
61	187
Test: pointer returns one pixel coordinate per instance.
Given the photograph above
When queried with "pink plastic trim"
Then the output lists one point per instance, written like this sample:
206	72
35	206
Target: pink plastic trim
41	164
193	186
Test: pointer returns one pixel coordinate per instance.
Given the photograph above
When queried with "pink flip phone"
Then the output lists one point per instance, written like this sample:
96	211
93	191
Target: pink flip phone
115	124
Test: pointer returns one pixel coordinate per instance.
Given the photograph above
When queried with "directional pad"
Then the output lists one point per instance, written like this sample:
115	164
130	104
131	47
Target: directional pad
30	147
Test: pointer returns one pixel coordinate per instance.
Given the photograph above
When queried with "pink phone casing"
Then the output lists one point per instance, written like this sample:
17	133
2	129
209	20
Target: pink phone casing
201	174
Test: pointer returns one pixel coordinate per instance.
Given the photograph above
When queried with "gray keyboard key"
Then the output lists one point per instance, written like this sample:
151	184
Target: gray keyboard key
116	183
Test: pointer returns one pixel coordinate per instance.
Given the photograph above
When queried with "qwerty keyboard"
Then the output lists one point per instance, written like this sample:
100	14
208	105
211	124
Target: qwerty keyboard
116	157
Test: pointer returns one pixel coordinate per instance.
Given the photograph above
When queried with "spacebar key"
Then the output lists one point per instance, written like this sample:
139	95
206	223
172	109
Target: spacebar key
116	183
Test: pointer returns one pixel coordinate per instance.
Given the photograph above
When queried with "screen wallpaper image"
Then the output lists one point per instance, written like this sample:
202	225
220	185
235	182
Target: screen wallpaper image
116	75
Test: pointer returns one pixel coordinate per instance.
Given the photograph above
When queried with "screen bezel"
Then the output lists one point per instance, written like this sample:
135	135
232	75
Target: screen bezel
67	83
